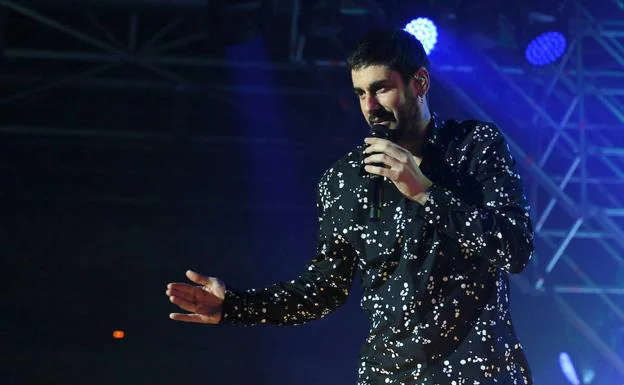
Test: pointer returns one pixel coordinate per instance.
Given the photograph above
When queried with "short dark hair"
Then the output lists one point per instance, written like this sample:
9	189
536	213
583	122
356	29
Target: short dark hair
397	49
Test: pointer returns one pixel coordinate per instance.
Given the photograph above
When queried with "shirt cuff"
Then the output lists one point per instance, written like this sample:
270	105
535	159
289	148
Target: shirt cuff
232	308
438	205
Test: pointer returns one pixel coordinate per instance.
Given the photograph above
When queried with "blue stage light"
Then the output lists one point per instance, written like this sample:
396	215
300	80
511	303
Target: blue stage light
546	48
568	369
424	30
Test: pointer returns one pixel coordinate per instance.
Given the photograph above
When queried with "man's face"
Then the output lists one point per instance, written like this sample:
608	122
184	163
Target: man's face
384	97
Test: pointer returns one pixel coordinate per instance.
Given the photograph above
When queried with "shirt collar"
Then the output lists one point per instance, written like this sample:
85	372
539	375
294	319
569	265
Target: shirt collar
433	132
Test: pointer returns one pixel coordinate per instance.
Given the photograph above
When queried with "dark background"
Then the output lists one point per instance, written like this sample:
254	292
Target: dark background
117	174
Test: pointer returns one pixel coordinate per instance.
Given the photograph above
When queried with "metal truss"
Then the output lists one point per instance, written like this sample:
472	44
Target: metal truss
99	53
575	111
103	50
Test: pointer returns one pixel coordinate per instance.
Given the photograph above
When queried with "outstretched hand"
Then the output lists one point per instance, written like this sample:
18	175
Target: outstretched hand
203	300
388	159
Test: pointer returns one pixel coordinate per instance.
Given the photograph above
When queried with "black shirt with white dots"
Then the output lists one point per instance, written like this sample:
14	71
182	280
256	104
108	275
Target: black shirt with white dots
434	276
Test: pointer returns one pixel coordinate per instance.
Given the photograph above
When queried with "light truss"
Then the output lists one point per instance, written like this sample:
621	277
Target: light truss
97	56
577	171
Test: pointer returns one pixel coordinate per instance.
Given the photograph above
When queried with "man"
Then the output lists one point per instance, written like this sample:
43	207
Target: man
434	266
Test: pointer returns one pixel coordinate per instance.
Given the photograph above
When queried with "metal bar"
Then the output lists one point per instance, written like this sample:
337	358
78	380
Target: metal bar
597	36
178	43
553	201
579	234
559	72
178	60
610	181
146	46
612	39
619	113
616	169
600	73
107	33
58	82
538	109
56	25
133	31
587	281
207	89
162	72
609	91
608	151
564	245
590	283
164	60
549	149
555	138
607	47
580	88
588	290
617	257
590	334
149	135
376	10
595	126
300	47
90	57
294	29
612	166
607	223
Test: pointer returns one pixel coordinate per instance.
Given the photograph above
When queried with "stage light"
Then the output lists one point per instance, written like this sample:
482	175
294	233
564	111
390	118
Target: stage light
119	334
424	30
546	48
567	367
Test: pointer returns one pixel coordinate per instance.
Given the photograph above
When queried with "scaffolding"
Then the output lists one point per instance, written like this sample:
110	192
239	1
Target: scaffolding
576	112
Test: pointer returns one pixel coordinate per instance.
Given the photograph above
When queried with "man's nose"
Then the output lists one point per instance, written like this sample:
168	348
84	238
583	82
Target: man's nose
371	103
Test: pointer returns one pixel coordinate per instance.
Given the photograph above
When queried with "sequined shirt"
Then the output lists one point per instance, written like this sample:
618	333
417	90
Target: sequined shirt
434	276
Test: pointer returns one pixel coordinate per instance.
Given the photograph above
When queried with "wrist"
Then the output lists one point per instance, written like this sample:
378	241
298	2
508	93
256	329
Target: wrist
423	196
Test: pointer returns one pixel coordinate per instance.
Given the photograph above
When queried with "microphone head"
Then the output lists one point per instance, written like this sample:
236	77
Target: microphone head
381	131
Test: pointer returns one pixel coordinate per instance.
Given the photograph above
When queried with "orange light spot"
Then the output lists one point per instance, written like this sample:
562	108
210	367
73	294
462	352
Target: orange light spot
118	334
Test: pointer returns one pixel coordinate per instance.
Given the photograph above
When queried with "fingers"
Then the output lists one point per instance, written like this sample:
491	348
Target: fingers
388	173
195	318
184	304
379	159
182	290
198	278
376	145
203	300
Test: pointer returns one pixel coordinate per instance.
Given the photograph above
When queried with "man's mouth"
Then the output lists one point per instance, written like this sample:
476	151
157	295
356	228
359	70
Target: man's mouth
381	121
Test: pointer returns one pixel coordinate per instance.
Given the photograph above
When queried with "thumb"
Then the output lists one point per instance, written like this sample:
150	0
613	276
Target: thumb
198	278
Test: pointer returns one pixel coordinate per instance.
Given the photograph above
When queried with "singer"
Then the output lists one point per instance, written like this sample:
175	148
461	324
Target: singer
453	224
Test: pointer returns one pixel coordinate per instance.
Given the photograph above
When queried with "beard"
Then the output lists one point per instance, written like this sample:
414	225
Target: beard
409	119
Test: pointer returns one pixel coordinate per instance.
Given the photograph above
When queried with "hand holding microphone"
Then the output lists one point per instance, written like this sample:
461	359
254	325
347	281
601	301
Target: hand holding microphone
387	159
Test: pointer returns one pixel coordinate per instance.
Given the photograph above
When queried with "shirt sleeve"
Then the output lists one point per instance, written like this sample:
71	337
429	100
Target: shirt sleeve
321	288
499	228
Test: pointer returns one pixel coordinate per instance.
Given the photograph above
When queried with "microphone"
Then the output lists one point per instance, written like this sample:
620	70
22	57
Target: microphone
375	182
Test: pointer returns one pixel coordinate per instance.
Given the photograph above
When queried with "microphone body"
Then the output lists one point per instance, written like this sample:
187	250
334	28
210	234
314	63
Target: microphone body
376	182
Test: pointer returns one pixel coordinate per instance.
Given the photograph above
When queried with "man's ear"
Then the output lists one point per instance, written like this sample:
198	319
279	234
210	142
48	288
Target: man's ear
420	82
